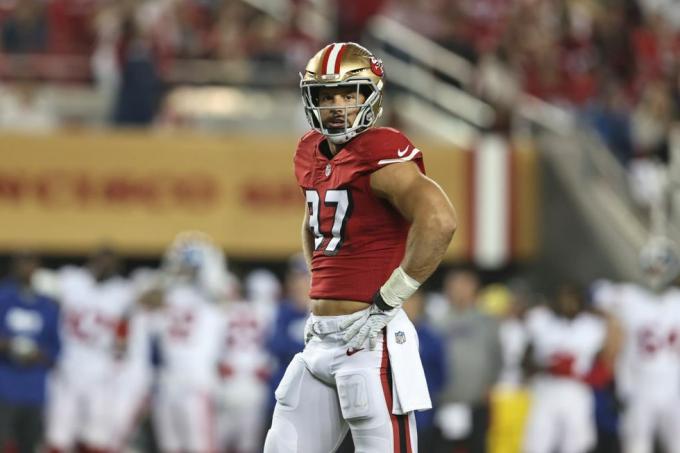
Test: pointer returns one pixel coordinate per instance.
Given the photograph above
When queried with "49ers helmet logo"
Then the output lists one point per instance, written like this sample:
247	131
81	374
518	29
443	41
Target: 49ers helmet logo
377	67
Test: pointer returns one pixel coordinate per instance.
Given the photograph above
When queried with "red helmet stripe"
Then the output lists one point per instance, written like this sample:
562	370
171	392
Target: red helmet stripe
338	59
331	63
326	56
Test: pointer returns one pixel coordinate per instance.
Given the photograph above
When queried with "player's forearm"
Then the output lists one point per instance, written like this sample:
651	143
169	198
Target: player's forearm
431	232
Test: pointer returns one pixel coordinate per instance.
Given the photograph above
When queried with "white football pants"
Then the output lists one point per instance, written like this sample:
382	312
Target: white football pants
325	392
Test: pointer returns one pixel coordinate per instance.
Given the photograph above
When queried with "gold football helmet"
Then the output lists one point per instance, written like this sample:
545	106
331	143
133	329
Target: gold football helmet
340	65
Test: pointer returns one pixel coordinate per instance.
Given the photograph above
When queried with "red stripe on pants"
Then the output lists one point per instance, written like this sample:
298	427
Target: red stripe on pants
385	380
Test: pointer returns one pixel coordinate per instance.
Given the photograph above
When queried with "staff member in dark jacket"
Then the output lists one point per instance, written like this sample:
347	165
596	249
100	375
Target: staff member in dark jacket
29	344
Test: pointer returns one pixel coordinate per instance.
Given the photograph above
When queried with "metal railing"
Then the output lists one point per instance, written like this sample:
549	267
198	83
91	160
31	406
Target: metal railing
587	166
420	63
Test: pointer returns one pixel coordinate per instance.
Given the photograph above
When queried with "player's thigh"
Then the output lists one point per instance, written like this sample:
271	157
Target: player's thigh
243	410
540	434
307	415
99	427
165	419
62	414
199	418
127	414
637	427
578	422
250	428
669	426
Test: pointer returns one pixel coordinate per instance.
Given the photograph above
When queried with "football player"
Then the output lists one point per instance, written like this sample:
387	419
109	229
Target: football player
648	367
374	229
245	367
564	341
95	302
189	331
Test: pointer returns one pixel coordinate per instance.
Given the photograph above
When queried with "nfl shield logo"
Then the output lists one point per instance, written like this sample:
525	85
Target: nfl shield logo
400	337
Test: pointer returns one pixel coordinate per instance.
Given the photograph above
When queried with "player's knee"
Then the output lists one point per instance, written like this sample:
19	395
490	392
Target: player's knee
282	437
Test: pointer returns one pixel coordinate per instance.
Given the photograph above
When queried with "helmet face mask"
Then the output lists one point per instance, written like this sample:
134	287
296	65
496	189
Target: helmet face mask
342	65
364	118
184	260
660	262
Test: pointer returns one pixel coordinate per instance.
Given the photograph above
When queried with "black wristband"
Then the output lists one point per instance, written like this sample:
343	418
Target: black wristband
380	302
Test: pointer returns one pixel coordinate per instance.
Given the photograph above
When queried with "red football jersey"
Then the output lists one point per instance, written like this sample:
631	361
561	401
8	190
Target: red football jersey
359	238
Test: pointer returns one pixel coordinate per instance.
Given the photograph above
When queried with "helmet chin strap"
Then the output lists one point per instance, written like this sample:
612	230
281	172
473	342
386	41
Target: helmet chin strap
339	139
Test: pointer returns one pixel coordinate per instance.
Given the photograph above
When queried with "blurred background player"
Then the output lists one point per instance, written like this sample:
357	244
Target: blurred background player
473	362
564	341
95	300
648	366
245	369
29	346
263	289
190	330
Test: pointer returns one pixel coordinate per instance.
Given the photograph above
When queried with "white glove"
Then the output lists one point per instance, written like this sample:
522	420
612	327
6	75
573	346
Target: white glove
367	324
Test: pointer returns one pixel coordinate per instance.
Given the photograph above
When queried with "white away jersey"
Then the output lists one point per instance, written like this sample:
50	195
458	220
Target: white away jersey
91	316
552	336
191	333
650	359
245	352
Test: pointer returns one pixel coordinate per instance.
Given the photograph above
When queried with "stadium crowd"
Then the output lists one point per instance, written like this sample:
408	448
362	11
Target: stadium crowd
616	62
187	357
612	63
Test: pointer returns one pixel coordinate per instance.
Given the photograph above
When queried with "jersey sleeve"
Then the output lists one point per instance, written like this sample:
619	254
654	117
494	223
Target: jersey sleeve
385	146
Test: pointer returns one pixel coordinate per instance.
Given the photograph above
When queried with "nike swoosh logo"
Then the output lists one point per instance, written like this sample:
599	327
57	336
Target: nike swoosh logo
402	152
414	153
354	351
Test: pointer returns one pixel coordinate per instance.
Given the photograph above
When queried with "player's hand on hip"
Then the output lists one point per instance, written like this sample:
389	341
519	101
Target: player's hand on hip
353	323
367	324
